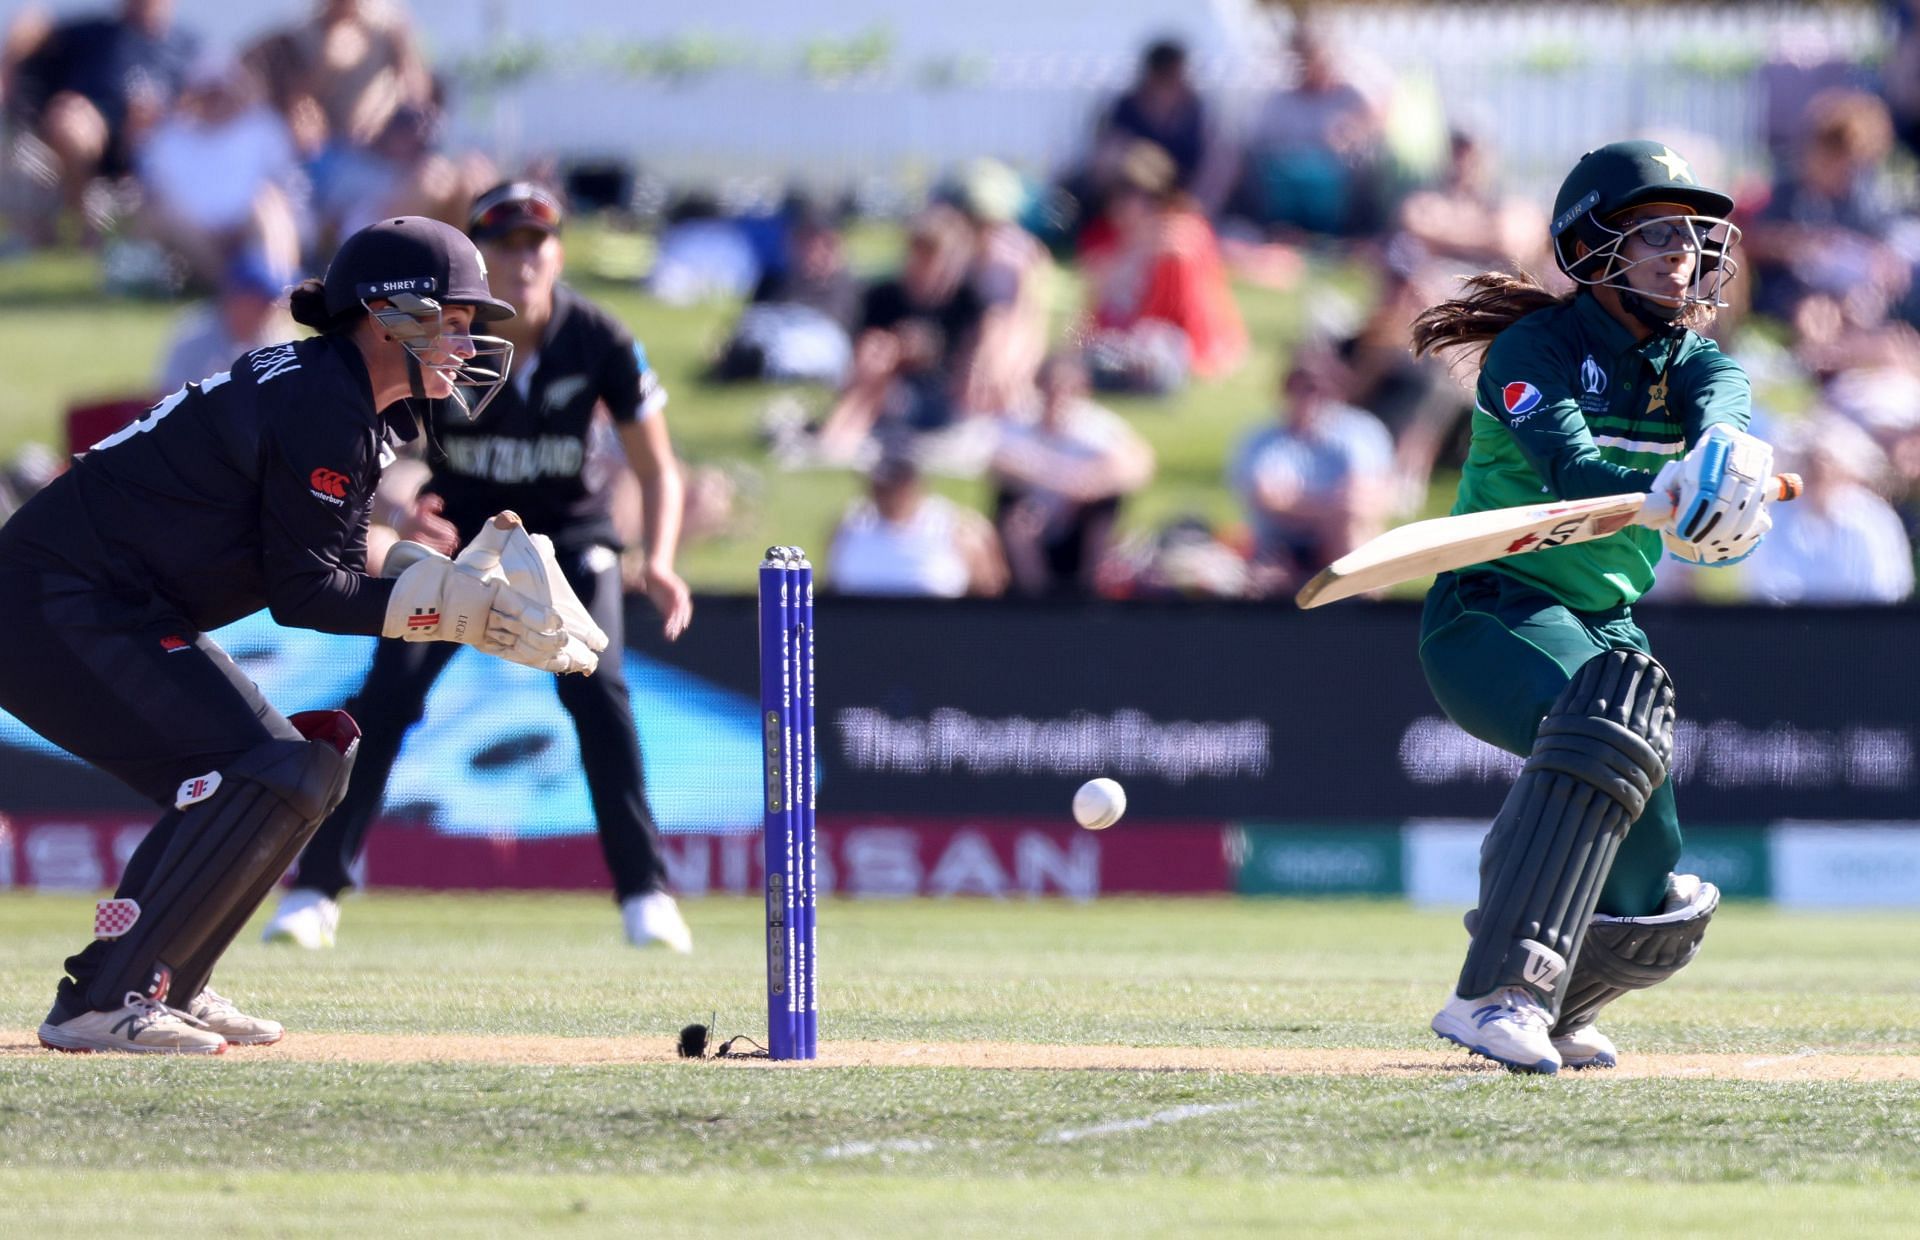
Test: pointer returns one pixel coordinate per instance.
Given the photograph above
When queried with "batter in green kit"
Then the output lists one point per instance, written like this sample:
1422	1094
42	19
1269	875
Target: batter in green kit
1604	391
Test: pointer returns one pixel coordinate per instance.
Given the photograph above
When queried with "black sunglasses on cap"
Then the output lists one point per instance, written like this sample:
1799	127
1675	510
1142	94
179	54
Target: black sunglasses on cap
517	205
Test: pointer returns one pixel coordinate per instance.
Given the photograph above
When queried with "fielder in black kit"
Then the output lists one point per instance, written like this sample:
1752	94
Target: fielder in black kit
532	451
248	489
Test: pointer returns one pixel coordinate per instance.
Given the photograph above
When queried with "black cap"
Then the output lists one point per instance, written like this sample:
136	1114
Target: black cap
513	205
411	254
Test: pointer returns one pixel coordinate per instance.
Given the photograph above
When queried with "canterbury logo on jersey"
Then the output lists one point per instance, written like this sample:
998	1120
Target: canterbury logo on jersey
498	459
332	481
329	485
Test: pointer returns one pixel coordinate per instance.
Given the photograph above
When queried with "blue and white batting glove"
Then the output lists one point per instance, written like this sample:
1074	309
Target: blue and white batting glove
1719	497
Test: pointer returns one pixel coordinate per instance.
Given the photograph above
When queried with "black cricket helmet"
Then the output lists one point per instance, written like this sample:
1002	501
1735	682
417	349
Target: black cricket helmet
418	266
1614	179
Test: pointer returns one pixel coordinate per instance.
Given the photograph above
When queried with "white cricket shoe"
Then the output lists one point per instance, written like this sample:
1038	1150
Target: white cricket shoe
655	918
141	1027
1508	1026
218	1013
305	918
1586	1047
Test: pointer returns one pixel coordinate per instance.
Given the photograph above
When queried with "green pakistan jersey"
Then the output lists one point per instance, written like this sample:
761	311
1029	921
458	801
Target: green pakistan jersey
1569	406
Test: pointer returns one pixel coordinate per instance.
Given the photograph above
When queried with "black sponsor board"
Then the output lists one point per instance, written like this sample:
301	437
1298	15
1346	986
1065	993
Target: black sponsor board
1211	711
1207	710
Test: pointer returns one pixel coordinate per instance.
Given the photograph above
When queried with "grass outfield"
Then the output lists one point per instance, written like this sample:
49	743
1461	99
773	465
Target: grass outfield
348	1138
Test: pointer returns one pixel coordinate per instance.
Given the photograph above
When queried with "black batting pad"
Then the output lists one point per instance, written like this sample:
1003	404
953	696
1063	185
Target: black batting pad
1599	754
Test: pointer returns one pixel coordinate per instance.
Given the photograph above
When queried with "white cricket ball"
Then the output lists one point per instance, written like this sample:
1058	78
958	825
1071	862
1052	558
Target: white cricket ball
1099	804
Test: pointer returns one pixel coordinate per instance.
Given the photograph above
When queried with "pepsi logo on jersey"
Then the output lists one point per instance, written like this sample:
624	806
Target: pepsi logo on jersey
1520	397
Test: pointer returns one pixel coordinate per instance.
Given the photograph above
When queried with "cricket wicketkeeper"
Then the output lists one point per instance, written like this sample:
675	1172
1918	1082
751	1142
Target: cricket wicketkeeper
248	489
1608	389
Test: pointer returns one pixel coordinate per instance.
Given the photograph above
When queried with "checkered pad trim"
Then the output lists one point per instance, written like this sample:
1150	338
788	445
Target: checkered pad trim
113	918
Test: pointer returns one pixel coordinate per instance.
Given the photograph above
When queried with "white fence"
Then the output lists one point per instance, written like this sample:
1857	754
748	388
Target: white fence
843	91
956	81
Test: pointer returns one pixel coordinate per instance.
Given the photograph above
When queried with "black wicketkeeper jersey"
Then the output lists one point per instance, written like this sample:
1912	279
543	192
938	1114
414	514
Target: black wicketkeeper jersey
247	489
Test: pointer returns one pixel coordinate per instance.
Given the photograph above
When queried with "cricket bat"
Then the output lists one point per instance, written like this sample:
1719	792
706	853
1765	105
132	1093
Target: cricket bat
1443	544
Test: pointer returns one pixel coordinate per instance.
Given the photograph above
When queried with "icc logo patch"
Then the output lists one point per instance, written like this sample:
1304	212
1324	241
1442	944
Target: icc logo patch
1593	380
1520	397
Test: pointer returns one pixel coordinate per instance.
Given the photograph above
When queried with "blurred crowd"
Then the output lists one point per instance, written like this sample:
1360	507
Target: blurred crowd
1028	321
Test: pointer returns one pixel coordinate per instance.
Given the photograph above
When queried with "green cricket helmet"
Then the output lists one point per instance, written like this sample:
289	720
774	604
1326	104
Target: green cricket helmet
1620	176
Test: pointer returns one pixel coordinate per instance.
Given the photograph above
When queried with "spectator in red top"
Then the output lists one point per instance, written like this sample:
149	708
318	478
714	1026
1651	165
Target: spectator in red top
1161	308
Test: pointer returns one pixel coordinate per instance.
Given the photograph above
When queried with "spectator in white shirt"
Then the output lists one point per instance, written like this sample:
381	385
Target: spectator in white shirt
1842	542
902	540
220	175
1063	466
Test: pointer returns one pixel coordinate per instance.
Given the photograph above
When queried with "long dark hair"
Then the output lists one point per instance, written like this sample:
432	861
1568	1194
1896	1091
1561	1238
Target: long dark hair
308	305
1492	302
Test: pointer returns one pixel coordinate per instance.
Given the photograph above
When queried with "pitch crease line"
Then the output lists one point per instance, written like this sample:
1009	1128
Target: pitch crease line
1172	1115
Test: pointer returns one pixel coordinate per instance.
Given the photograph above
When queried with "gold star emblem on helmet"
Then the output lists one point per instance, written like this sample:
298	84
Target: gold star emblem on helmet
1676	167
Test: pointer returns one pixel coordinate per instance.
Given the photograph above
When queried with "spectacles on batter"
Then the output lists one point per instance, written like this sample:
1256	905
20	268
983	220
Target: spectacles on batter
1665	234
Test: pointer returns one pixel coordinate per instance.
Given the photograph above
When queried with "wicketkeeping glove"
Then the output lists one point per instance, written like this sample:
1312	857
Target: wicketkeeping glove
436	599
504	551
